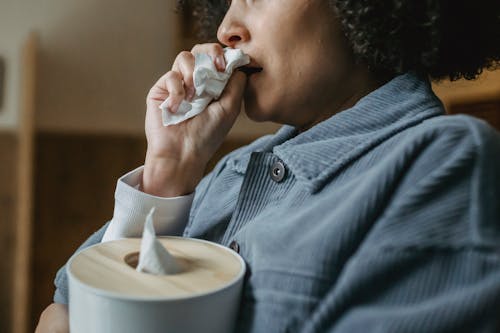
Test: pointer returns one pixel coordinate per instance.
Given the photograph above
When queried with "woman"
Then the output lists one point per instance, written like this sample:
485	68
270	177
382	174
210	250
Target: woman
369	210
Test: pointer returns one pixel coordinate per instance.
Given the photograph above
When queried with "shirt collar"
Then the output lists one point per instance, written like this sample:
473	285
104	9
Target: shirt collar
317	154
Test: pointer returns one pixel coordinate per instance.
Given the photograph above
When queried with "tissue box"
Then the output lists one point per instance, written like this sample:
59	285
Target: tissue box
107	294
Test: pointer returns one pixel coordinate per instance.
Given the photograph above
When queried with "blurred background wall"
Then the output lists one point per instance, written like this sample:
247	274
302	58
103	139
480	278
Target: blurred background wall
71	122
93	64
96	59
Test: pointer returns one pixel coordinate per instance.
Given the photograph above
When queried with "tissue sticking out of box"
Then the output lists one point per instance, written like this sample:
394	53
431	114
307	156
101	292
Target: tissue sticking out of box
154	257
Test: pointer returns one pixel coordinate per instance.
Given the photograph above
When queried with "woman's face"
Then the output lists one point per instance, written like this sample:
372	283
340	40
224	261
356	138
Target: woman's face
307	66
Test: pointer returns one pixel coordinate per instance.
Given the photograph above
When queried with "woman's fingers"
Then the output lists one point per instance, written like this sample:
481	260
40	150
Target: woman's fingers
178	83
54	319
175	88
215	51
184	64
169	85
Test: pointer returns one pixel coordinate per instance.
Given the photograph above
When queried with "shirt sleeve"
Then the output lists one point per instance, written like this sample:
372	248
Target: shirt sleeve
132	207
61	280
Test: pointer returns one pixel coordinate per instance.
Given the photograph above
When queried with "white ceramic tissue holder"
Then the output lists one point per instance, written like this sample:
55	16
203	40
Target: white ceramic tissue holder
107	294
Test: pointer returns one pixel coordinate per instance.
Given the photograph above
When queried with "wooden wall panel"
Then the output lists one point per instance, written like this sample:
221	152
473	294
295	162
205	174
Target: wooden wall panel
8	158
75	177
24	187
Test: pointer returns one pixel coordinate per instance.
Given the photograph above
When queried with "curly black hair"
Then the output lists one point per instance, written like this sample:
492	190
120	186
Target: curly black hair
439	38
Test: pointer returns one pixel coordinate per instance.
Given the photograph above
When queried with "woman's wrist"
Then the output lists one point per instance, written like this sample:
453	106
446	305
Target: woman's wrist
169	178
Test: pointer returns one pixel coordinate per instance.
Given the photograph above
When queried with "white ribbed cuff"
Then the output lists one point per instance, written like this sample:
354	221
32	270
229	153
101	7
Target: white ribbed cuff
132	206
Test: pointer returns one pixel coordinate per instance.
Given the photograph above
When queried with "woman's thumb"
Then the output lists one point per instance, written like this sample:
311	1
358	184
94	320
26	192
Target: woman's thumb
231	98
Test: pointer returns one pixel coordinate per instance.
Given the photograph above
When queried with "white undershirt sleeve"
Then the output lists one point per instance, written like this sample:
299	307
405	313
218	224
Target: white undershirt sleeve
132	206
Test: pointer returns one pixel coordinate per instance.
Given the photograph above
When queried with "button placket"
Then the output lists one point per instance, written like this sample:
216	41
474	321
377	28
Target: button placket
255	190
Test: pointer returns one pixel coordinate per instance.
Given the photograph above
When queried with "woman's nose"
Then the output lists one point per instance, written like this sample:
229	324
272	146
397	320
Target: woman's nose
232	31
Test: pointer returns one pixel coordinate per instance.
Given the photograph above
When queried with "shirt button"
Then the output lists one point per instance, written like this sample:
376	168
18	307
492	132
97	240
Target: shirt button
234	246
278	171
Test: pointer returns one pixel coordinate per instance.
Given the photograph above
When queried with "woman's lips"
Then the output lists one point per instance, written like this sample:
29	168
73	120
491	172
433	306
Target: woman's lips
249	70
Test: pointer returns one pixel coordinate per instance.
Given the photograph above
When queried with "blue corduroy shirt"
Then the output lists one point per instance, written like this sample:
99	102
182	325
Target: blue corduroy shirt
385	218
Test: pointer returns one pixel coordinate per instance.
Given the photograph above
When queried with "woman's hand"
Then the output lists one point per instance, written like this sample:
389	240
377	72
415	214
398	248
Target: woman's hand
54	319
178	154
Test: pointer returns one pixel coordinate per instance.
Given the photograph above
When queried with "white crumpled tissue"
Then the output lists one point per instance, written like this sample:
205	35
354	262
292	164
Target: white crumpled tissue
154	257
208	82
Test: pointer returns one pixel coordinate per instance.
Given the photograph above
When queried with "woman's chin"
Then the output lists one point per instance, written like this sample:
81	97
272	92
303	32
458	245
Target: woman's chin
255	111
256	114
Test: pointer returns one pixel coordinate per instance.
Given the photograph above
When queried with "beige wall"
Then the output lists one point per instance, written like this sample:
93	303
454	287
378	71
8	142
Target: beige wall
97	60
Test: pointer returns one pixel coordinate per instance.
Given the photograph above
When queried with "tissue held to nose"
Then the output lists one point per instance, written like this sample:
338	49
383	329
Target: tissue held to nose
208	83
154	257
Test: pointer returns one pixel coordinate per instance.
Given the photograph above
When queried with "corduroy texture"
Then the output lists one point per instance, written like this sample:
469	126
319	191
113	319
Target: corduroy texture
388	220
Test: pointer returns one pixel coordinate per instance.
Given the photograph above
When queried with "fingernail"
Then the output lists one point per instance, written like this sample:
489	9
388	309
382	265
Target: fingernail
221	63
